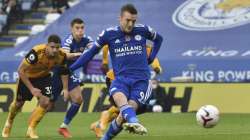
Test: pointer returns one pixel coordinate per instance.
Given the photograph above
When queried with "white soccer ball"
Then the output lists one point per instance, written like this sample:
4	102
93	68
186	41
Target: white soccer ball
207	116
157	108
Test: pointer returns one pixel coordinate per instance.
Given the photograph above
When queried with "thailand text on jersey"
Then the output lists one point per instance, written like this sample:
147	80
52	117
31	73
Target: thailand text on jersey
128	51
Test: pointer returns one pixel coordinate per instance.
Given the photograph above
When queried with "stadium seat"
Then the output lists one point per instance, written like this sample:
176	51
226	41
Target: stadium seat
20	40
26	5
3	19
73	3
51	17
35	29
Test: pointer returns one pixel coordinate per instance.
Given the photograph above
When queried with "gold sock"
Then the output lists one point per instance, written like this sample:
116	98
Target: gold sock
13	110
107	116
104	119
36	116
114	112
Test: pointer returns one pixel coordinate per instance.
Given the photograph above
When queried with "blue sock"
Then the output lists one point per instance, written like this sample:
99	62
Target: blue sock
71	113
113	130
128	113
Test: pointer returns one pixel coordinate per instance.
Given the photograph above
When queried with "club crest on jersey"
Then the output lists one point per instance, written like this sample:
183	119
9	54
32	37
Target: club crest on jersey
127	38
137	37
207	15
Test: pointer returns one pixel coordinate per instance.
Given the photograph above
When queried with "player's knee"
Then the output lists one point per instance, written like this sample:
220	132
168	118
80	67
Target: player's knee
79	100
19	104
50	106
77	97
44	102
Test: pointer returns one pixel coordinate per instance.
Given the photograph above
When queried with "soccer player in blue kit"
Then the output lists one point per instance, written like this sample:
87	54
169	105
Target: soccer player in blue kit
76	42
131	88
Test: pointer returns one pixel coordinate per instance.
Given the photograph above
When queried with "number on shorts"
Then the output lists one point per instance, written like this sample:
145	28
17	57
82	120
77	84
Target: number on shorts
48	90
75	79
142	97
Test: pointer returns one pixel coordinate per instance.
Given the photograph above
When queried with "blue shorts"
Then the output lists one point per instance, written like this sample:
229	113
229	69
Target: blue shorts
57	86
133	89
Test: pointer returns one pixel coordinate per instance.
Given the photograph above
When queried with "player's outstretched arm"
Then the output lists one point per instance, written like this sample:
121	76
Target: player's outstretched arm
71	56
157	44
85	58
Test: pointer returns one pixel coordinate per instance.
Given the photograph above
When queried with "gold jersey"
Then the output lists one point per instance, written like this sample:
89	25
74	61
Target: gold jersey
38	62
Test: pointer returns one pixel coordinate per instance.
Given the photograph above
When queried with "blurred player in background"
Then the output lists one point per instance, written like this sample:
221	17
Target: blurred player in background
76	42
131	88
35	80
108	115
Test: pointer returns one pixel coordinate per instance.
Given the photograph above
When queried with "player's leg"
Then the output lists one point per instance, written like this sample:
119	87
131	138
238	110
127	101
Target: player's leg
23	94
111	113
136	128
127	114
120	92
76	101
14	108
114	128
56	89
44	84
106	117
36	116
140	95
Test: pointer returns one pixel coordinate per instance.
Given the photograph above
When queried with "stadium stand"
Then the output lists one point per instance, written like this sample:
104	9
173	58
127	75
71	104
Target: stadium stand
34	16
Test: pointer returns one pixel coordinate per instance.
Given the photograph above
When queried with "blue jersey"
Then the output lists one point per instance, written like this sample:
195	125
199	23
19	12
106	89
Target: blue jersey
70	44
129	60
128	51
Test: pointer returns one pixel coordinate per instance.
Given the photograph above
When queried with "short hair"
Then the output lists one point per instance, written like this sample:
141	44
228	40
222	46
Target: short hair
54	38
76	21
129	8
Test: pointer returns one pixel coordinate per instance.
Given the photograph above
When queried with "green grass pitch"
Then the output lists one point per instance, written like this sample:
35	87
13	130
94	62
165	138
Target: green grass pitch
161	126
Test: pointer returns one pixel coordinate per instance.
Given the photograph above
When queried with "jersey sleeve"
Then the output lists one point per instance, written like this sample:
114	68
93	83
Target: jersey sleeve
102	39
31	57
156	62
90	42
150	33
67	42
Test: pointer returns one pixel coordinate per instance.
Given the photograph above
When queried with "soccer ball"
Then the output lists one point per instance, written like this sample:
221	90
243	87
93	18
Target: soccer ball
207	116
157	108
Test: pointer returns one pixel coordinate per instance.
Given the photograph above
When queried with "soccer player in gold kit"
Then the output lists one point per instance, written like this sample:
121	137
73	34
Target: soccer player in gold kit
35	80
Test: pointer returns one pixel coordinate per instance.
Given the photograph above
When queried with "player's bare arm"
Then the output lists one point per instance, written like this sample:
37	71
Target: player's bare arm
65	86
21	71
71	56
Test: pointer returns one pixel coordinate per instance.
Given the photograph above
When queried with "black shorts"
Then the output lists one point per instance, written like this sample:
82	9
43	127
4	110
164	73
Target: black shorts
44	84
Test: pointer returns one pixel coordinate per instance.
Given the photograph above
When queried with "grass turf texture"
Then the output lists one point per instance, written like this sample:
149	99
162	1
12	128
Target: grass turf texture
161	126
